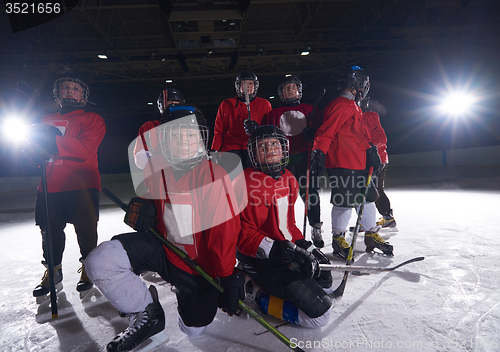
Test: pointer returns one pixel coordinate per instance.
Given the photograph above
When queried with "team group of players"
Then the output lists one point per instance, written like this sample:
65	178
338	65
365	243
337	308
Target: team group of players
228	203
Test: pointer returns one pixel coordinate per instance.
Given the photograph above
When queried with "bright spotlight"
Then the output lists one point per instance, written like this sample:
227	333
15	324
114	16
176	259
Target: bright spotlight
457	104
15	130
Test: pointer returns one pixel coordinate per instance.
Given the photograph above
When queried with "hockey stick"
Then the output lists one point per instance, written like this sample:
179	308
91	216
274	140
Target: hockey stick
333	267
193	265
308	172
339	291
47	236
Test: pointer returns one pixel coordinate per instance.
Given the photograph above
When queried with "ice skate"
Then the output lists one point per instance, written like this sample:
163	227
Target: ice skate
373	240
84	285
252	292
42	291
148	324
388	222
316	235
340	246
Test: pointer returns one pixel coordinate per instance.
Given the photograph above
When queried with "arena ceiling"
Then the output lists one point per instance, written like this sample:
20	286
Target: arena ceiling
201	45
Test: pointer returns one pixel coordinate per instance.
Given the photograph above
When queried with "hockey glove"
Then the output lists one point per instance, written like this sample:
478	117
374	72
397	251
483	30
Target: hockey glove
324	278
234	290
309	133
318	159
250	126
295	257
215	156
43	137
140	214
373	158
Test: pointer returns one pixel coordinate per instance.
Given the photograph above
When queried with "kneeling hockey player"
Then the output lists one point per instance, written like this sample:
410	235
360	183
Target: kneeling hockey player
271	249
190	205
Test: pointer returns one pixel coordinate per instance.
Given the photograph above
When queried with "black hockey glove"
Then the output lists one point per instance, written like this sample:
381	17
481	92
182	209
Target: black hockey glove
41	144
373	158
140	214
233	292
324	278
250	126
215	156
318	159
295	257
309	133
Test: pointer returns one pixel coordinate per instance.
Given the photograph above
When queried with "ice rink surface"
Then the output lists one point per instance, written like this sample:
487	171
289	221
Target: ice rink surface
448	302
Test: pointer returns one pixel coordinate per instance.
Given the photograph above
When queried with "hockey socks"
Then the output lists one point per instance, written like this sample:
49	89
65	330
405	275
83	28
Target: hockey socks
279	308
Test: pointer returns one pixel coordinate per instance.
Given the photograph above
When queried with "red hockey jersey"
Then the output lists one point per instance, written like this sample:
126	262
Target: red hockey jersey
292	120
342	135
198	213
376	134
229	133
75	165
270	209
147	138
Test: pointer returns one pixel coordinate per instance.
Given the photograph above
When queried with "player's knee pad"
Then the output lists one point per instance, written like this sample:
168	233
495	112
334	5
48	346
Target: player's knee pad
190	331
106	259
309	322
309	297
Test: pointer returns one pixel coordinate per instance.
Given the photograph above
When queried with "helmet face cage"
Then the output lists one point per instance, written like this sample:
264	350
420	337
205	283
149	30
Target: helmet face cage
281	88
238	84
71	91
169	95
183	142
269	152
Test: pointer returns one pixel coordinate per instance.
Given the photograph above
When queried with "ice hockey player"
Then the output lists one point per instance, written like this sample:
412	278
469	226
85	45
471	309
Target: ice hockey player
69	140
166	99
342	146
294	118
283	266
377	136
229	129
186	204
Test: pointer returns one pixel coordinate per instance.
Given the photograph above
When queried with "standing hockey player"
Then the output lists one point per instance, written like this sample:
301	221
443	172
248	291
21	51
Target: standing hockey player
294	118
229	130
377	136
70	139
271	249
341	145
167	98
190	201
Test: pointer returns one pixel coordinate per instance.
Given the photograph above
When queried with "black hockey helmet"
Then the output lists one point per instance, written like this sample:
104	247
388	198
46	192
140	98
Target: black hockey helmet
355	78
169	96
246	76
264	155
183	136
290	80
71	90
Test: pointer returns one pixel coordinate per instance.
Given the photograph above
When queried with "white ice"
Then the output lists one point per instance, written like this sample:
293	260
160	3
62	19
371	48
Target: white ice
448	302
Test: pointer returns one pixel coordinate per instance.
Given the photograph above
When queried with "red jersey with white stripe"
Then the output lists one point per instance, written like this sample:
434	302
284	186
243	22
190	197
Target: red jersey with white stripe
292	120
270	209
376	134
75	165
342	135
198	213
229	133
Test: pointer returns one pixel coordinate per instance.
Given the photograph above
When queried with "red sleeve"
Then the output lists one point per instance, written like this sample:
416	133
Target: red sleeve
221	124
222	239
376	133
142	141
85	144
335	115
